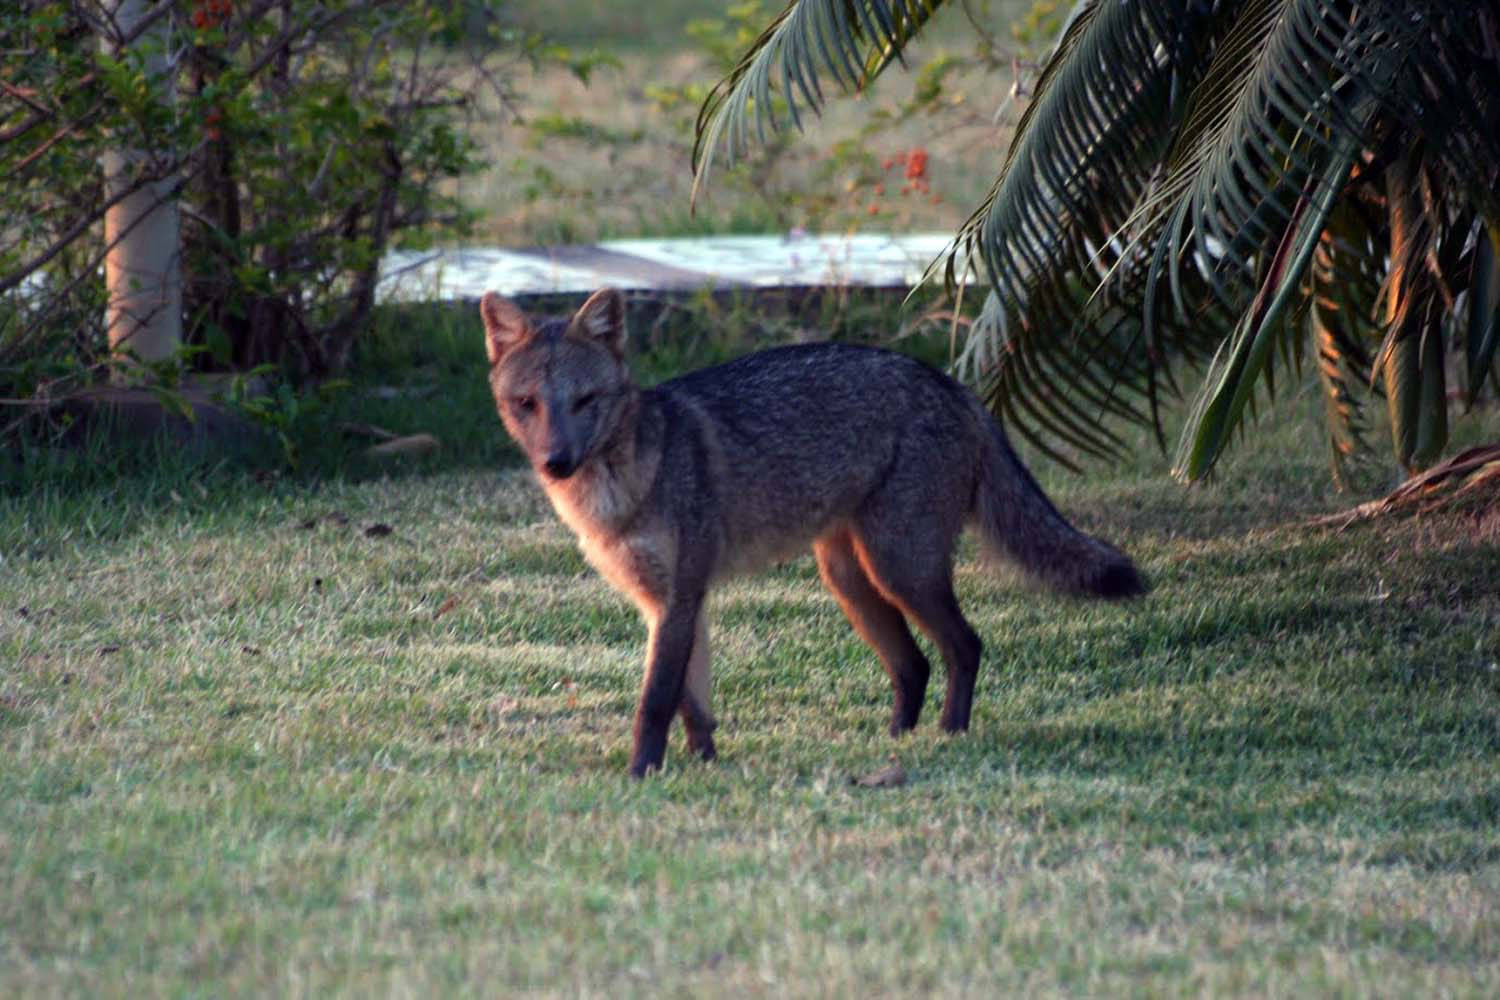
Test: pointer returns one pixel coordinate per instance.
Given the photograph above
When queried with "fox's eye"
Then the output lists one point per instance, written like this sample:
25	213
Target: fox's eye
524	404
587	399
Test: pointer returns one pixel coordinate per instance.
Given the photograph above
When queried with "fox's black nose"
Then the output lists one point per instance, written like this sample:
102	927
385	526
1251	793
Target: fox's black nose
559	466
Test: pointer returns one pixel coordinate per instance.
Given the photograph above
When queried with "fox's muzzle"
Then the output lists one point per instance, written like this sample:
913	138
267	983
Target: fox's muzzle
560	465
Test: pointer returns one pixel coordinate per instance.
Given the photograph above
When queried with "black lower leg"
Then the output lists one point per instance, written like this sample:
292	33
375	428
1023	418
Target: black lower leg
699	727
961	654
909	686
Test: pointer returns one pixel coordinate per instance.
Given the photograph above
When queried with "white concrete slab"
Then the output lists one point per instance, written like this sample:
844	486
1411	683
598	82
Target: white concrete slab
440	275
777	261
793	260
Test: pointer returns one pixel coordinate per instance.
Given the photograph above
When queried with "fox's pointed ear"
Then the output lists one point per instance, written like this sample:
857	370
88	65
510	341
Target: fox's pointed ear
602	319
505	325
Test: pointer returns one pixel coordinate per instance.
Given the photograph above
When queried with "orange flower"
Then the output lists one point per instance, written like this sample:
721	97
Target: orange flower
916	164
211	13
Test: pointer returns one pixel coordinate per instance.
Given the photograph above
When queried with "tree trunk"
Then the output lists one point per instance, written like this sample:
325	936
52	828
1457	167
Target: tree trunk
143	268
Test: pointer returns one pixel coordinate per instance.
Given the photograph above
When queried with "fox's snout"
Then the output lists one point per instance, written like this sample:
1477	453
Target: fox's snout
560	465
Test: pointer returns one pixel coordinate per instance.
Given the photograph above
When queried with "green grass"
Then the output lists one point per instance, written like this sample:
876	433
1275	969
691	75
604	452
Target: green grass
241	755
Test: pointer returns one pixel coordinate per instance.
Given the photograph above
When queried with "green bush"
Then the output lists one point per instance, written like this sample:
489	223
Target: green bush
301	139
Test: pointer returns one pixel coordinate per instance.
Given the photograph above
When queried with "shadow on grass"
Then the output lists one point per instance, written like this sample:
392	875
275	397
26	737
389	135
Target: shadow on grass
1256	789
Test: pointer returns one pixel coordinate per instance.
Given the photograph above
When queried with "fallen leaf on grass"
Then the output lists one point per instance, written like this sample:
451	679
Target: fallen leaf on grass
106	650
445	607
411	445
378	530
1468	476
887	777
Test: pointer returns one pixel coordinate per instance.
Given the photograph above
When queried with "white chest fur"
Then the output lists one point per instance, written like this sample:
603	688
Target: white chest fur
633	553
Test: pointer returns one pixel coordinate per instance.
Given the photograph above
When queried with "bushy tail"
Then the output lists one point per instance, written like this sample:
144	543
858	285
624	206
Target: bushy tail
1017	520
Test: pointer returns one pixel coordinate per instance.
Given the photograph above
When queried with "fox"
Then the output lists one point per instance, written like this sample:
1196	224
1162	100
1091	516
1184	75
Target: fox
875	460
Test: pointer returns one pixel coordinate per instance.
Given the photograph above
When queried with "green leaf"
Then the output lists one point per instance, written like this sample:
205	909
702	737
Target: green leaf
851	41
1416	394
1483	321
1343	292
1222	404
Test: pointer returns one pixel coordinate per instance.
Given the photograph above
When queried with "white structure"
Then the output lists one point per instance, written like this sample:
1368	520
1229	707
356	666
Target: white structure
686	264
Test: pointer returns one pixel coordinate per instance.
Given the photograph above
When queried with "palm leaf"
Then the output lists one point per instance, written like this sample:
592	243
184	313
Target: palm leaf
1209	213
851	41
1482	327
1250	351
1343	287
1087	149
1425	248
1450	94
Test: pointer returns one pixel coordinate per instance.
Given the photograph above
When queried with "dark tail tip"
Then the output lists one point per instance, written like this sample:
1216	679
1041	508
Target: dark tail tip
1119	580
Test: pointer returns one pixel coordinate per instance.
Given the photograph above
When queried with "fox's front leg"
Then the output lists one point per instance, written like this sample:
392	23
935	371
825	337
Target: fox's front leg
673	634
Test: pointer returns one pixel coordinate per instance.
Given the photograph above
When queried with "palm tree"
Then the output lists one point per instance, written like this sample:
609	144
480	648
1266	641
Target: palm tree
1226	184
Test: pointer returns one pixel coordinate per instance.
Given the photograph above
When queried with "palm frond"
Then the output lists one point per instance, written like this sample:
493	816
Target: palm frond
1449	94
1248	353
1167	193
851	41
1343	287
1425	248
1088	149
1482	324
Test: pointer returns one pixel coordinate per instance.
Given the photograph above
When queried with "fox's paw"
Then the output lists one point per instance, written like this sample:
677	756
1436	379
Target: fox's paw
649	754
699	726
641	768
702	743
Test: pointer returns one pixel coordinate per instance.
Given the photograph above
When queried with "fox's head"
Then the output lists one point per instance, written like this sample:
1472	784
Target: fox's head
561	385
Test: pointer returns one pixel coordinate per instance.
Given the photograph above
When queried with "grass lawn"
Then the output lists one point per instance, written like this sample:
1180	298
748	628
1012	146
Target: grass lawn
246	747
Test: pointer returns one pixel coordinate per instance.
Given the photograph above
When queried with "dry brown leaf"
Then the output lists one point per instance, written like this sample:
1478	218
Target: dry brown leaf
411	446
889	776
1460	477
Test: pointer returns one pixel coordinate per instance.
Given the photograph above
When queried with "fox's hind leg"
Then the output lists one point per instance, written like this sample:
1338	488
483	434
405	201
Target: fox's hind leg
912	568
878	622
697	695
